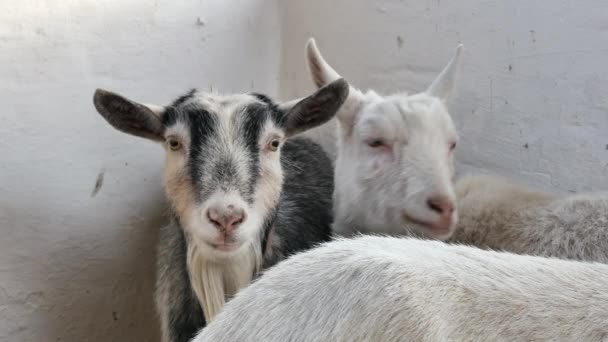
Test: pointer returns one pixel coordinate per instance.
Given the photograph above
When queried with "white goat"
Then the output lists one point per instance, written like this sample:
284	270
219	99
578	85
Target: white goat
382	189
389	289
394	163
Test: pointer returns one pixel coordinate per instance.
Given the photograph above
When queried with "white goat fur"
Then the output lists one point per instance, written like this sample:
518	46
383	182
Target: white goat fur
389	289
500	215
389	185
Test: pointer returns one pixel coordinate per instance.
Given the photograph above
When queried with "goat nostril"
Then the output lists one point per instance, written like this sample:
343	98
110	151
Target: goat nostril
213	217
237	219
440	205
434	206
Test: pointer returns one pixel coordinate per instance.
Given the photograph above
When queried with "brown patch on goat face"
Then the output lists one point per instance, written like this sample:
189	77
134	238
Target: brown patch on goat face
178	187
270	183
268	252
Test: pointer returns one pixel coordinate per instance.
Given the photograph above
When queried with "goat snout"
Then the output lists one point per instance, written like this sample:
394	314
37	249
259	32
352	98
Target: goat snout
226	218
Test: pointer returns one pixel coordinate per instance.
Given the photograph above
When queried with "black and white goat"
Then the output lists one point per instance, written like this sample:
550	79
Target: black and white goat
243	195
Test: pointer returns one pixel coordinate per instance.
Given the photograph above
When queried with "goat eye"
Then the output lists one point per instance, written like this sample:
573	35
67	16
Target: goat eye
274	145
452	146
174	144
375	143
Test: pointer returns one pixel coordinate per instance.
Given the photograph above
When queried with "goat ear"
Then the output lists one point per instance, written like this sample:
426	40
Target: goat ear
322	73
443	86
128	116
317	108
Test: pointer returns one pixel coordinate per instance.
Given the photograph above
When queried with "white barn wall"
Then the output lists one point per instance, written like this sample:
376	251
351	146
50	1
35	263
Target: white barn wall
533	98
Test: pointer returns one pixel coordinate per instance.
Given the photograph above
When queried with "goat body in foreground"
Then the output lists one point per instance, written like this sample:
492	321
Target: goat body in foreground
243	195
390	289
500	215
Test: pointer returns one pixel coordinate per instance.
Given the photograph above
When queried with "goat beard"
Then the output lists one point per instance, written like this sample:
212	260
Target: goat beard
214	282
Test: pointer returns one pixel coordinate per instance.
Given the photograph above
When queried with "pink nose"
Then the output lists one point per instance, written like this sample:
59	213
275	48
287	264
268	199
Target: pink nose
443	206
226	218
440	204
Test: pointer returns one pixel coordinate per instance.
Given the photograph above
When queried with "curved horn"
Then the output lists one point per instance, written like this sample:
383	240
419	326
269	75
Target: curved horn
443	86
321	72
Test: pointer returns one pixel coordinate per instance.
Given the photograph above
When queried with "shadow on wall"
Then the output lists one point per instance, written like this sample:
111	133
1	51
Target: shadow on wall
93	284
119	306
87	293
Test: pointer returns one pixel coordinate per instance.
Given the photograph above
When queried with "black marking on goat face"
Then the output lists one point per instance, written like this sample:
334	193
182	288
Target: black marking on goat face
184	98
276	115
263	98
212	164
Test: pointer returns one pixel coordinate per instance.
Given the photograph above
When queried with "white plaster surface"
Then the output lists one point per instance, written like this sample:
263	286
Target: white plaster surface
533	105
75	267
533	97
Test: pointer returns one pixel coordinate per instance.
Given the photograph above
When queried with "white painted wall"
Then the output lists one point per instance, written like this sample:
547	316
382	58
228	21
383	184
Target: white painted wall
75	267
533	102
